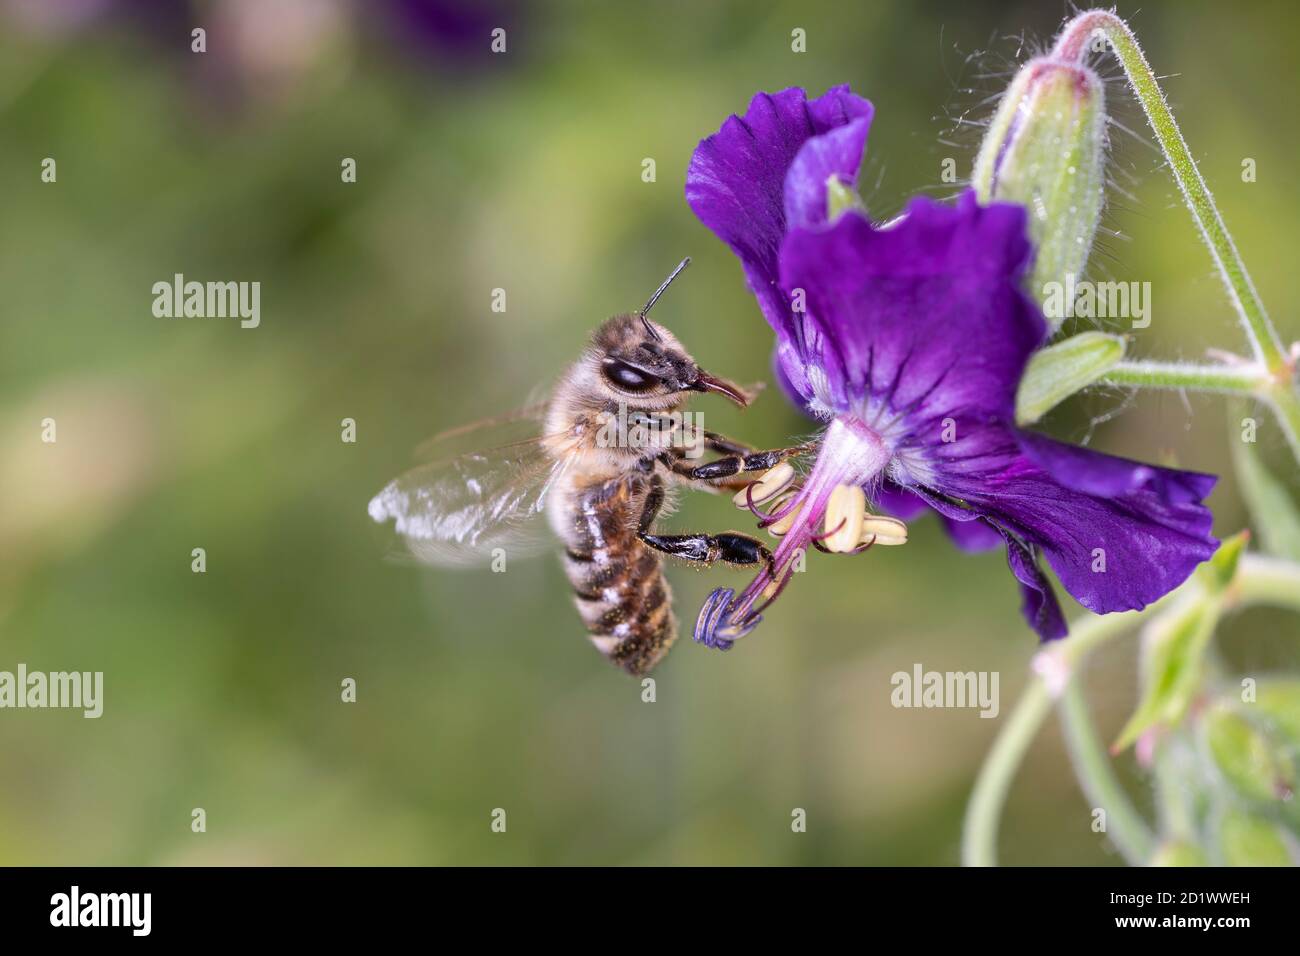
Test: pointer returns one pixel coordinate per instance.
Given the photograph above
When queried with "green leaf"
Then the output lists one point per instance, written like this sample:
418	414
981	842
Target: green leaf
1058	371
1217	573
1172	667
1273	511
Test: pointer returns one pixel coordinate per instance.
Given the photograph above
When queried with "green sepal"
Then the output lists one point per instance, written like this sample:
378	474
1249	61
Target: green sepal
1172	667
1058	371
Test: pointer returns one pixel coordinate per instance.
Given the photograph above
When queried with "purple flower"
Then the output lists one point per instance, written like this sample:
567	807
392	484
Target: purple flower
908	341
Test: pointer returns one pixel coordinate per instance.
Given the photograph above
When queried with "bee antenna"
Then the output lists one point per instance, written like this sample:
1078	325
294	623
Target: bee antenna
658	292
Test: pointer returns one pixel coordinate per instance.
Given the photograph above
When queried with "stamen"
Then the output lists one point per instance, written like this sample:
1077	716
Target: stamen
845	512
772	592
818	538
783	524
766	518
883	530
832	495
858	550
787	502
773	481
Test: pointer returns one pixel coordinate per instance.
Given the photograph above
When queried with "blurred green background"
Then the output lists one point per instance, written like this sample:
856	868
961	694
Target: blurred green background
520	171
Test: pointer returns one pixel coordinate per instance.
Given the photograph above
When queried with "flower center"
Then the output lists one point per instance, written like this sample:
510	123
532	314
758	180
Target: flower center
830	507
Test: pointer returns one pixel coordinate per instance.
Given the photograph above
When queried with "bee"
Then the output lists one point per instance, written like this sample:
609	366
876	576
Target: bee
600	460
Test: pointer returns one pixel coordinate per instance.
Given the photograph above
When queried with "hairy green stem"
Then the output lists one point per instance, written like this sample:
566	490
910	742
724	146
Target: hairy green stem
1274	582
1286	403
1092	766
1259	580
1248	379
1073	44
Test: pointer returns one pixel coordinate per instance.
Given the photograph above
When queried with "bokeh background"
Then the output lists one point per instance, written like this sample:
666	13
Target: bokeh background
521	171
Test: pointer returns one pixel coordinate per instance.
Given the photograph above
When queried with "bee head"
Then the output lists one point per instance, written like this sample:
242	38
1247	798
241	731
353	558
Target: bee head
643	361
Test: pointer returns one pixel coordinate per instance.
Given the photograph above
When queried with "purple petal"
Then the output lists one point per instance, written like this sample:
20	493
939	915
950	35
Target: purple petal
1118	534
972	536
967	531
1106	475
1039	604
837	153
791	374
926	316
899	502
736	180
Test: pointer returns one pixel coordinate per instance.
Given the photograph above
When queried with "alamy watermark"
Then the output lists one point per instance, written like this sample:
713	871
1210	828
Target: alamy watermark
75	908
943	689
179	299
1098	300
53	689
652	431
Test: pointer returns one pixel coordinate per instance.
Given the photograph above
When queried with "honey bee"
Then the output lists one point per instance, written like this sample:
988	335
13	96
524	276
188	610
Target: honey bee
600	459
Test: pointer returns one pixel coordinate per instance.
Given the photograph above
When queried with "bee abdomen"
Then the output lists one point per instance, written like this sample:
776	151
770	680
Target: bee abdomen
620	591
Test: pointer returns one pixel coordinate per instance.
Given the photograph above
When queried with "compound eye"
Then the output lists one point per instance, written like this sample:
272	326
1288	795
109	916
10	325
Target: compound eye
628	377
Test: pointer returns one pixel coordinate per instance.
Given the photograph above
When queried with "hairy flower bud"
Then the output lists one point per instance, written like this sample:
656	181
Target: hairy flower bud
1045	150
1256	763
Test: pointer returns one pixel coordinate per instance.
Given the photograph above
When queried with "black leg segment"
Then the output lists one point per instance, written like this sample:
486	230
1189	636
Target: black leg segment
734	464
728	547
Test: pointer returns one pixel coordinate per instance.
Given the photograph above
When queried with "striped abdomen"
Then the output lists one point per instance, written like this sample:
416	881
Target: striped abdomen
618	582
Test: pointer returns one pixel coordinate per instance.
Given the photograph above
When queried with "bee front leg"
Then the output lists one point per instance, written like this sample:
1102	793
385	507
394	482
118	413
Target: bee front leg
714	441
731	465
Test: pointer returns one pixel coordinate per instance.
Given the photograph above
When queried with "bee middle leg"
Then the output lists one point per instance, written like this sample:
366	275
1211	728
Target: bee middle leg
707	549
729	547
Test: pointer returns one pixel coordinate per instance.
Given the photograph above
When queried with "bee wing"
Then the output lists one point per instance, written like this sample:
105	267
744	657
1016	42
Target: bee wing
458	510
511	428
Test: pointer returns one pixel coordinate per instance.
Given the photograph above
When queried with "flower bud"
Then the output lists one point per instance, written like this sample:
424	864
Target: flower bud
1255	763
1249	840
1045	150
1278	703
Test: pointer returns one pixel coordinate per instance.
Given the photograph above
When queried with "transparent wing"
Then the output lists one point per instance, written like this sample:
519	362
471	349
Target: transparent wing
456	511
511	428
